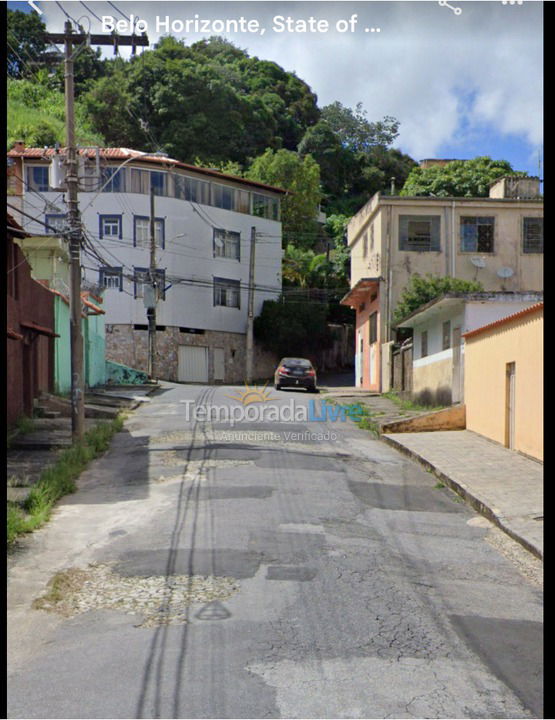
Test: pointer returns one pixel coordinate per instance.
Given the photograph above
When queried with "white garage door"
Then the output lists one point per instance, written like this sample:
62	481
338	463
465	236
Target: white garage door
193	364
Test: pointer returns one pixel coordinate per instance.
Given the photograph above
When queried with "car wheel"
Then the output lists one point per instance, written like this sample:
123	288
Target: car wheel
277	387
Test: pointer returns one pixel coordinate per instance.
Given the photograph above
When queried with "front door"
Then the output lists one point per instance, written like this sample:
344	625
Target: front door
510	407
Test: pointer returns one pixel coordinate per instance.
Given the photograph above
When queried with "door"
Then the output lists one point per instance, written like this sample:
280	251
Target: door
192	364
359	360
219	364
510	407
457	381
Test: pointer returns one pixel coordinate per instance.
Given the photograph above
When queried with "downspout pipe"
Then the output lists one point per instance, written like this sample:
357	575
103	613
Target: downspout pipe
453	240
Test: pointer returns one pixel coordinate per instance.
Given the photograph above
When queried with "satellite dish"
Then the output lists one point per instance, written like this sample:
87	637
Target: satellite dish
505	272
478	262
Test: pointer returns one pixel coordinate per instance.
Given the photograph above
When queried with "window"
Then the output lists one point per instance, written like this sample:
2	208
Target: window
141	231
222	197
420	233
159	183
373	328
446	335
264	206
110	226
140	181
477	234
37	178
111	278
115	177
227	292
227	244
365	245
532	235
57	224
141	278
186	188
371	237
424	343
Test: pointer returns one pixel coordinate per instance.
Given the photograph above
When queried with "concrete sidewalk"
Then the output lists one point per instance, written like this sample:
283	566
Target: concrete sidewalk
501	484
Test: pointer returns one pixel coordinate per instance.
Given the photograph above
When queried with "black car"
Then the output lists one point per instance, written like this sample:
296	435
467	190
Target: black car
295	372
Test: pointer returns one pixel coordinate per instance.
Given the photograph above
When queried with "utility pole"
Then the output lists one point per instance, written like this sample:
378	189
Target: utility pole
151	310
72	183
250	311
70	39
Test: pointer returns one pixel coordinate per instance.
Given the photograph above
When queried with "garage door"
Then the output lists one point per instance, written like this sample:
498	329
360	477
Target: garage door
193	364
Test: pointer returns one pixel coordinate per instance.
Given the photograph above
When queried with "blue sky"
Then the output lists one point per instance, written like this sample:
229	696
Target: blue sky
461	84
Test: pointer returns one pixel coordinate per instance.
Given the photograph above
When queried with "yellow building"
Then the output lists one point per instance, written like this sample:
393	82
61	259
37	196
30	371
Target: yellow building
503	383
497	240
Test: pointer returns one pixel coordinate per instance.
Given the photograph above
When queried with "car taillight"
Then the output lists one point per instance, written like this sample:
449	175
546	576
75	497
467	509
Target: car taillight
311	372
283	371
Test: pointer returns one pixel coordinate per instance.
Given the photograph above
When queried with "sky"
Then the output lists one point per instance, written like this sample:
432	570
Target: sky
464	78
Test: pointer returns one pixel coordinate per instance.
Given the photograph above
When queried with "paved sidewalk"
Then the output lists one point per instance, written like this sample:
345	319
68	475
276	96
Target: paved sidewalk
501	484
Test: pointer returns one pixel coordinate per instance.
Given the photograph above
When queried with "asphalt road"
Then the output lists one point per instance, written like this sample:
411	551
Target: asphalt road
347	585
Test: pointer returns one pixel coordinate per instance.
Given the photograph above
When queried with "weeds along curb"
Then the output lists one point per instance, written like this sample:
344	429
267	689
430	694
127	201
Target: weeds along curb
59	480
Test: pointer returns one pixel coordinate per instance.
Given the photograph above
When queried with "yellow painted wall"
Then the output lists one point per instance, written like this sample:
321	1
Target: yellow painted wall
486	357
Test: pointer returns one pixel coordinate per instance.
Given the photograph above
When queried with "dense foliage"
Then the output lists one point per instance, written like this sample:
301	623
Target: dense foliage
293	329
420	290
459	178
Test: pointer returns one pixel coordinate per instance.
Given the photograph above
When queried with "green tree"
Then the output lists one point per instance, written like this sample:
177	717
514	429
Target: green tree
459	178
355	131
421	289
293	329
300	176
26	42
336	229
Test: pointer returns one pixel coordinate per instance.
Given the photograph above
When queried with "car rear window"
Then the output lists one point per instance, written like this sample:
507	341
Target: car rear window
297	362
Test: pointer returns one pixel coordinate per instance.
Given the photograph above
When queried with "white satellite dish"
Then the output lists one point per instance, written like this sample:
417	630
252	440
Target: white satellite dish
505	272
478	262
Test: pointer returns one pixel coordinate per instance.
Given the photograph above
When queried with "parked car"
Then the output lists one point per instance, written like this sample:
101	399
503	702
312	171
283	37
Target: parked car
295	372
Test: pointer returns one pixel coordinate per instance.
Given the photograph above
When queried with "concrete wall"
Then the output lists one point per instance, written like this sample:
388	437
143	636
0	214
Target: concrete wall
453	418
385	211
94	337
130	347
369	376
432	379
62	347
486	357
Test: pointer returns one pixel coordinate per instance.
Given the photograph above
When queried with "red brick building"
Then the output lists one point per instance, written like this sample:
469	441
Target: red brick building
30	331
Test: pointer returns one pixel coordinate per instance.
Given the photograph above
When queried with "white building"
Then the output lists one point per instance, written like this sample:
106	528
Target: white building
204	221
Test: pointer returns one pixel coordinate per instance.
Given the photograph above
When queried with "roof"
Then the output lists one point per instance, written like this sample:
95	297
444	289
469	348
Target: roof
359	292
15	227
127	154
458	298
538	307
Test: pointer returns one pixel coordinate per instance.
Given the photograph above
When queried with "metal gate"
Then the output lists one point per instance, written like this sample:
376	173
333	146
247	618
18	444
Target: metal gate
192	364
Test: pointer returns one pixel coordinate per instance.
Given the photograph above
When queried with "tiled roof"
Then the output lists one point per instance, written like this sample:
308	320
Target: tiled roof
503	321
126	153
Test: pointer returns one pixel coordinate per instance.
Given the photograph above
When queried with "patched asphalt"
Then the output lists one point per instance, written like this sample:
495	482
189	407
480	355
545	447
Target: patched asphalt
362	589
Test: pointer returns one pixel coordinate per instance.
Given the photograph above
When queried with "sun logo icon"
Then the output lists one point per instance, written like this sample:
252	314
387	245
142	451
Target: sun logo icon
252	395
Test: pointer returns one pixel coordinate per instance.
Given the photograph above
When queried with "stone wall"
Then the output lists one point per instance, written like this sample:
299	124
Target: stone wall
130	347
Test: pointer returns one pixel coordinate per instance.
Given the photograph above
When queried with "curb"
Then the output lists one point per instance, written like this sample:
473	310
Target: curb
463	491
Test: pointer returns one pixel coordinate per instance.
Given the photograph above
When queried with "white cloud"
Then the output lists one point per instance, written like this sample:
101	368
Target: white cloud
441	75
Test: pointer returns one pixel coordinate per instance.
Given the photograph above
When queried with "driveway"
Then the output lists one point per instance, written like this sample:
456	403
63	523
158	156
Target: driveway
297	569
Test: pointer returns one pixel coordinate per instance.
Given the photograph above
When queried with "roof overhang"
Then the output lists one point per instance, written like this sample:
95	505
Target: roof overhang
359	293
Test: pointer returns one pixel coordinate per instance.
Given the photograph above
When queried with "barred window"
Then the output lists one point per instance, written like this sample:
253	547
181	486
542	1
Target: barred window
419	233
142	277
446	341
111	278
532	235
477	234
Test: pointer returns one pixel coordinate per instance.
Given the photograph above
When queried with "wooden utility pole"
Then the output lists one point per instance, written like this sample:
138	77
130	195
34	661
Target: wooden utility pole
250	310
151	311
69	40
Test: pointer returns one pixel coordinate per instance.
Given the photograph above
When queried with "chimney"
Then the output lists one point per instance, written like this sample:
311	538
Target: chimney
19	146
511	187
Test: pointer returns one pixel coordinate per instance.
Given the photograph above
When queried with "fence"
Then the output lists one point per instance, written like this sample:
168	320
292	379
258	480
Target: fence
401	368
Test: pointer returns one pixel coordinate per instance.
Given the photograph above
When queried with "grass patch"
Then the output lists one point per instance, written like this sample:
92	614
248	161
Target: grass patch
59	480
439	486
406	404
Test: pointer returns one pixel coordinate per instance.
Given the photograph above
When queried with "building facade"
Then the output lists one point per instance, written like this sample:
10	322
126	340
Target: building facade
439	327
496	240
504	381
204	223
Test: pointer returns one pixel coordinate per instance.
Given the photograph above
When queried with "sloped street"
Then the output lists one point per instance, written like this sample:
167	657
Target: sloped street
296	569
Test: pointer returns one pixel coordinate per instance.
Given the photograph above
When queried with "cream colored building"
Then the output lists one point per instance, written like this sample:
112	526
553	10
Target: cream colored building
496	240
504	381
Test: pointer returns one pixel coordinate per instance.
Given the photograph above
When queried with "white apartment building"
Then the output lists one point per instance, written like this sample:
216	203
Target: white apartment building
203	222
